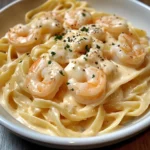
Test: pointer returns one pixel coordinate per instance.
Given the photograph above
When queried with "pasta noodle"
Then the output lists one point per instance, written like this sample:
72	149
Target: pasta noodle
71	71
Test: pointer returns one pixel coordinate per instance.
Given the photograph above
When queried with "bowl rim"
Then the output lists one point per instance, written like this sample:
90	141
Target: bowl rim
65	141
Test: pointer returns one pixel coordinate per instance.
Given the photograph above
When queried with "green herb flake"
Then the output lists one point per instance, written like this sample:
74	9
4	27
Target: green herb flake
67	46
72	89
49	62
61	72
93	76
87	48
58	37
85	29
97	46
53	53
83	14
67	83
20	61
69	40
85	58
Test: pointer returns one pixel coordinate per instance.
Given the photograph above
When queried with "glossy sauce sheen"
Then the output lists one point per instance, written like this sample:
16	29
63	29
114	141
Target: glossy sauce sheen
111	67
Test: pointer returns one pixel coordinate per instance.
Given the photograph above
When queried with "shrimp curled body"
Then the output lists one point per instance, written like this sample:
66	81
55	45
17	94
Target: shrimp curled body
44	78
113	25
23	37
88	88
128	51
78	18
47	24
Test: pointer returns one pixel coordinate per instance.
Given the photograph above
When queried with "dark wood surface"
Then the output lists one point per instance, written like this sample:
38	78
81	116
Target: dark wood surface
9	141
146	2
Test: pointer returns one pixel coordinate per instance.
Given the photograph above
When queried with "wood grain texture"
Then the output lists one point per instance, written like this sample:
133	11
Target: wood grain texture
146	2
9	141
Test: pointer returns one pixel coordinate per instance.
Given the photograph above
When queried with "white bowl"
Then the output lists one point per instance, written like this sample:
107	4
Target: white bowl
135	12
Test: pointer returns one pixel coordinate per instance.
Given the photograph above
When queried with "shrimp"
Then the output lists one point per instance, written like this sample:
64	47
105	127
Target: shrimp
77	18
71	46
62	55
45	78
94	30
88	85
113	24
77	41
23	37
128	50
47	23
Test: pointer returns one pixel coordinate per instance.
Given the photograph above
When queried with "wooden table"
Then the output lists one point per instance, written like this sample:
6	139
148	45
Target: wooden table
9	141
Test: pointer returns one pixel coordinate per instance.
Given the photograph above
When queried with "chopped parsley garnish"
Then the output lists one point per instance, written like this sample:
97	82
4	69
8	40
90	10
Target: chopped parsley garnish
87	48
53	53
93	76
70	50
83	14
85	58
69	40
49	62
67	83
20	61
72	89
67	46
113	43
85	29
61	72
58	37
97	46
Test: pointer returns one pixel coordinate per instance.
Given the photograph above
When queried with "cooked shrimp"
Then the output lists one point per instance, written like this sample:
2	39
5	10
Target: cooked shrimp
71	46
94	30
128	50
47	25
87	84
77	18
45	78
62	54
96	59
23	37
77	41
113	24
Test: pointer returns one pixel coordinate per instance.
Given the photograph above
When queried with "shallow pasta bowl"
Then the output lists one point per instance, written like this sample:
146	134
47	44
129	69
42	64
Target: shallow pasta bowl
129	9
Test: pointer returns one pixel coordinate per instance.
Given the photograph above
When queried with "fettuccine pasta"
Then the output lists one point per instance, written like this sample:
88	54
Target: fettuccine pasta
71	71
